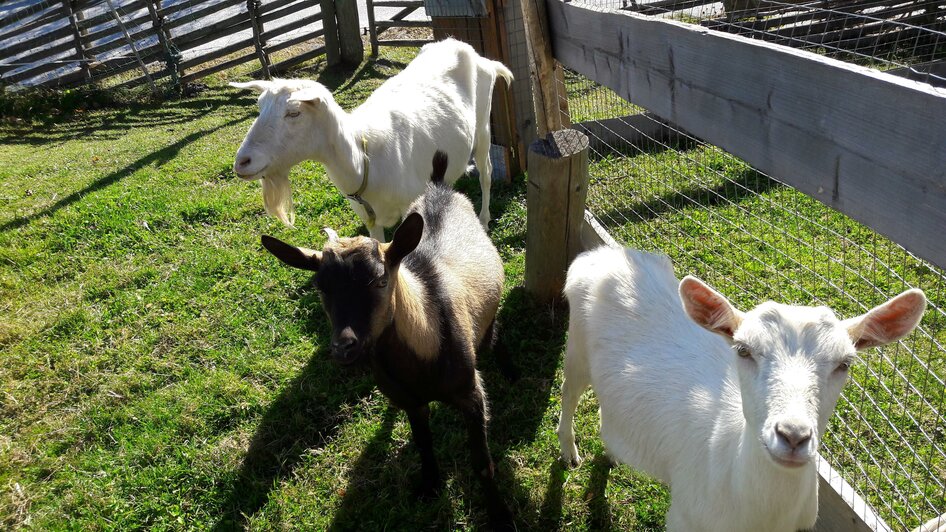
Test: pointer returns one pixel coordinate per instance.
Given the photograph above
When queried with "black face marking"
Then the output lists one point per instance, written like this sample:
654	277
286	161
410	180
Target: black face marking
346	283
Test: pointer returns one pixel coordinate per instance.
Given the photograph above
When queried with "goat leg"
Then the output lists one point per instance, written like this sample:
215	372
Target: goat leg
419	418
475	415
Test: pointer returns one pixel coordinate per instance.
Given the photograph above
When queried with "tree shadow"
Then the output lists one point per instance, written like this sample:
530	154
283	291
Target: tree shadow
304	416
157	158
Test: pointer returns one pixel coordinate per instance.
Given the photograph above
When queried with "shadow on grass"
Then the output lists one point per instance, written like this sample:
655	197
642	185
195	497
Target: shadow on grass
159	157
304	416
112	124
747	184
596	494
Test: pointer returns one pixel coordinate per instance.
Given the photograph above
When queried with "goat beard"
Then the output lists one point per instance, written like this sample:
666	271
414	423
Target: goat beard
277	198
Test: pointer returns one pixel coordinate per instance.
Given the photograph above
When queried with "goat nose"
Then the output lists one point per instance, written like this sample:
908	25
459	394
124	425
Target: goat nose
243	162
344	343
793	432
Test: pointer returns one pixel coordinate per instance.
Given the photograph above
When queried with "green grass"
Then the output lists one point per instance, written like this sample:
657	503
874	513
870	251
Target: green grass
160	370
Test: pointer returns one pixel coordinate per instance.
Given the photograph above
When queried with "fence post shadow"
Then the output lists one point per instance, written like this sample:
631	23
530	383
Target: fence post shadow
596	496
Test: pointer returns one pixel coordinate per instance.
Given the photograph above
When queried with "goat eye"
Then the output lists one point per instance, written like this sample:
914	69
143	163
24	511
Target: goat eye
382	282
743	351
292	114
843	367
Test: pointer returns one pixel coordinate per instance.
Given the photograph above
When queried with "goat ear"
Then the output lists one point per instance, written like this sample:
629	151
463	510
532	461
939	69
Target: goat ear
255	85
406	237
308	95
302	258
888	322
708	308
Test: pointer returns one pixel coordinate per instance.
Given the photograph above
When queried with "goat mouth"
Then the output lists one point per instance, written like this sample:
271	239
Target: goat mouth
348	359
790	461
251	177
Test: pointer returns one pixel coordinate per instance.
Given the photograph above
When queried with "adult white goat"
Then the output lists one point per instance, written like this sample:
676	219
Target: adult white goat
441	101
724	406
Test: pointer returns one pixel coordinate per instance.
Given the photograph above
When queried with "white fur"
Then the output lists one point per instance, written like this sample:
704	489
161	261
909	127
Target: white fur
441	101
679	403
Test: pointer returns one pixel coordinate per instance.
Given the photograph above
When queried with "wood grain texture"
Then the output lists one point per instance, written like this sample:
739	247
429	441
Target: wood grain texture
556	190
868	144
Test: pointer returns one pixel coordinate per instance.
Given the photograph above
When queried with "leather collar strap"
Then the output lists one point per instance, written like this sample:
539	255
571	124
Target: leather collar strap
364	184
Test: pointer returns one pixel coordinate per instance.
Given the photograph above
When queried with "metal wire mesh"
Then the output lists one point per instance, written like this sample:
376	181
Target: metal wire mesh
656	187
907	37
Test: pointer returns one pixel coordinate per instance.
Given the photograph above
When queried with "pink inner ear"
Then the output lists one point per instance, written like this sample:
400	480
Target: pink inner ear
892	321
706	307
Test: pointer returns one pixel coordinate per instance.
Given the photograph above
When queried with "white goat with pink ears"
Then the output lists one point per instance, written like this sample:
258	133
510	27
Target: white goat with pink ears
727	407
379	154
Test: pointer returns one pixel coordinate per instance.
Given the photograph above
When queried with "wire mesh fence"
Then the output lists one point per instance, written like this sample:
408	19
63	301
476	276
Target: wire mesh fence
656	187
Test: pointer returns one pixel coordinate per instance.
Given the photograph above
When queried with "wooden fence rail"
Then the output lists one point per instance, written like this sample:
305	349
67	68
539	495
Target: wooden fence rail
61	43
868	144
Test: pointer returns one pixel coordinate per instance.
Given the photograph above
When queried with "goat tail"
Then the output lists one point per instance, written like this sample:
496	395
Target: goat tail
497	69
440	168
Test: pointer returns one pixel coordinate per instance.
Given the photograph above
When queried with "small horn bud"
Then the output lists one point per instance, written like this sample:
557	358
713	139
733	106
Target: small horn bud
330	233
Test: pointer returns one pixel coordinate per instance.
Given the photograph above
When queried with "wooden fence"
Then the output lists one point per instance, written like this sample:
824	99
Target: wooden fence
61	43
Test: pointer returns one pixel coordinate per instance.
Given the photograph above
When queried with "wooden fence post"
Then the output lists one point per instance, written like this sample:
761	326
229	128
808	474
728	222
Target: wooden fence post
259	42
172	60
555	199
75	16
349	33
332	49
558	171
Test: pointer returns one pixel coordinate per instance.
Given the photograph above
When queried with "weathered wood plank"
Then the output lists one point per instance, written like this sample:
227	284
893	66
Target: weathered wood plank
349	32
218	53
20	14
172	22
276	31
868	144
53	15
416	43
522	88
455	8
35	42
333	49
555	206
301	58
296	40
840	507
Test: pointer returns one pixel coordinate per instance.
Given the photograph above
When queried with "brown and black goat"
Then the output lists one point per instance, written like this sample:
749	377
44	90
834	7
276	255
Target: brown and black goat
417	310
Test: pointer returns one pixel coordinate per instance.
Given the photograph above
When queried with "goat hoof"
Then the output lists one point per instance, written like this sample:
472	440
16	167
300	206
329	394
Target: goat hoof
571	459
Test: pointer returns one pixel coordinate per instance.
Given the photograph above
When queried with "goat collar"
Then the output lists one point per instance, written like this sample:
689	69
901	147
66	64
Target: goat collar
364	184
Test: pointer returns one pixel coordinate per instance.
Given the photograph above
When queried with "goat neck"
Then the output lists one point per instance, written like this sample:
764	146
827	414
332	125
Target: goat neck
415	318
342	153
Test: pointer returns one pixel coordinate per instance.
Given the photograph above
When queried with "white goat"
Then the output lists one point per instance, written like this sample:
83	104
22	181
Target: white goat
724	406
441	101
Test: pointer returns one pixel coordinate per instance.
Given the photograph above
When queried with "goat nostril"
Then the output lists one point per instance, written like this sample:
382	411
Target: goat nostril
795	435
244	161
345	343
